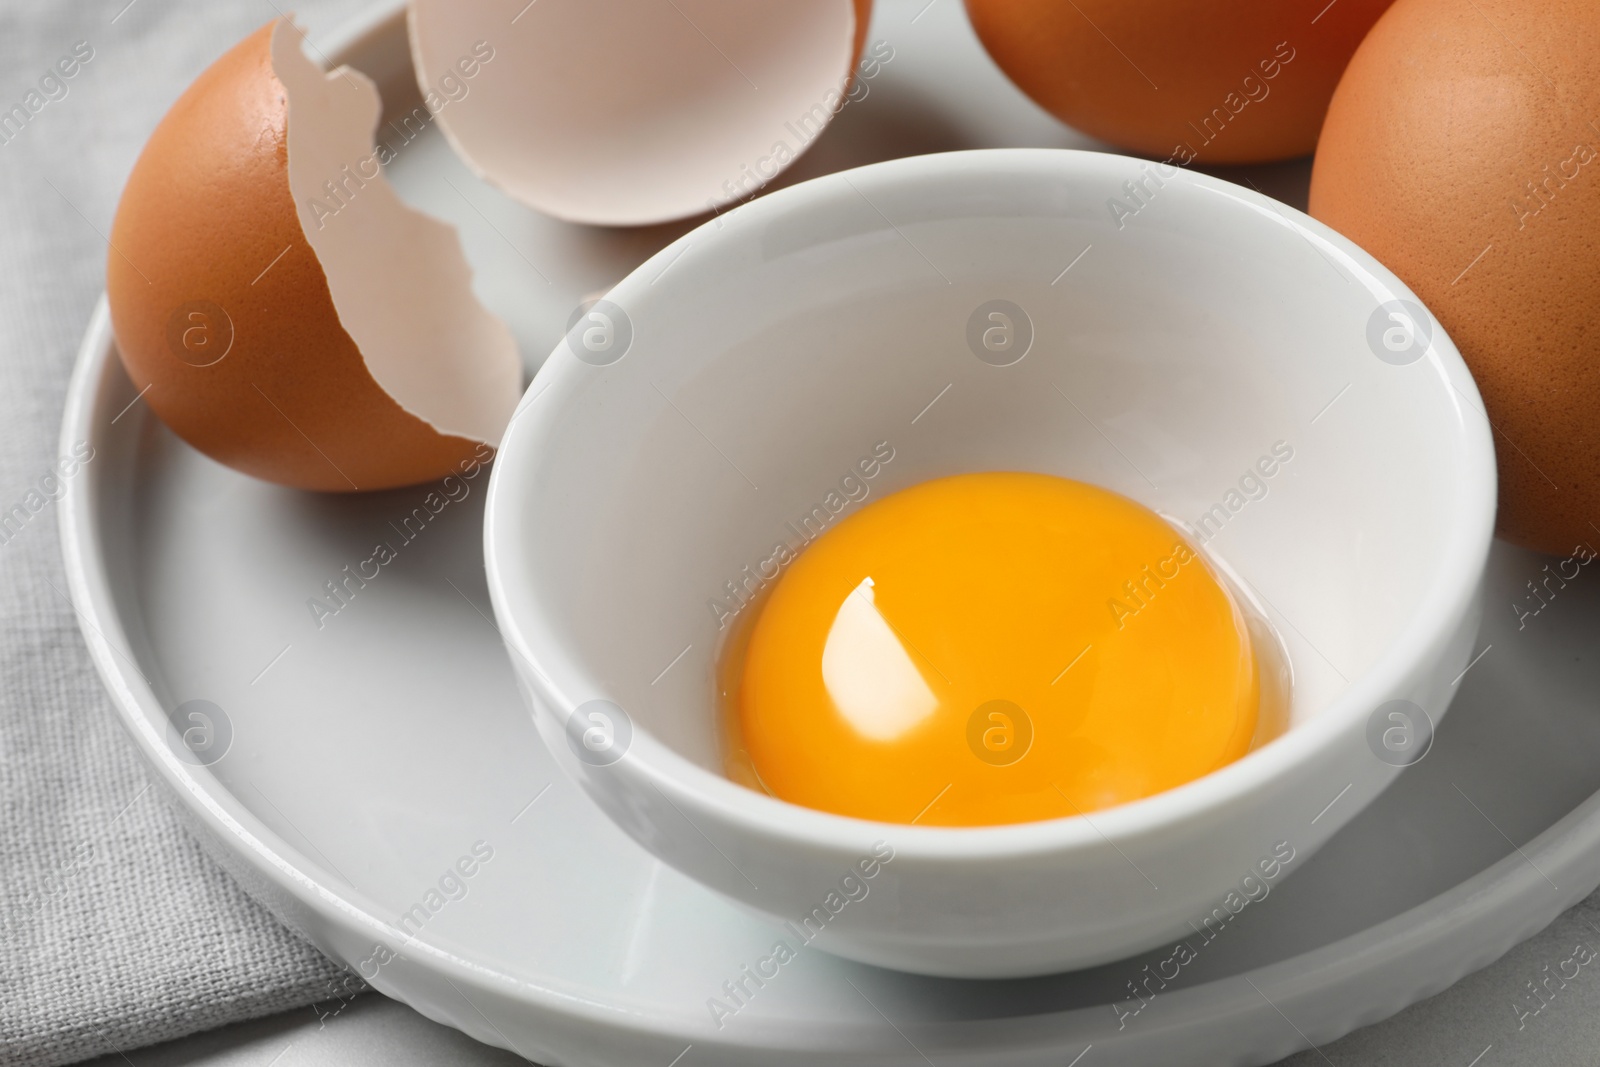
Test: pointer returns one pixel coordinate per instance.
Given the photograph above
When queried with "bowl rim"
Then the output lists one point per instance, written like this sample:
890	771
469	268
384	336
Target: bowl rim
1443	602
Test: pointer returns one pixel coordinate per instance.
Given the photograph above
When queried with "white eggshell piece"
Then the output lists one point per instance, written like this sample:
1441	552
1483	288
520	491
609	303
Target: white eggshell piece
629	112
399	279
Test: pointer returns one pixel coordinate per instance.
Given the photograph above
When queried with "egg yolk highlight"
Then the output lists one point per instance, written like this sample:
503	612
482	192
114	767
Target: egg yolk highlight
991	648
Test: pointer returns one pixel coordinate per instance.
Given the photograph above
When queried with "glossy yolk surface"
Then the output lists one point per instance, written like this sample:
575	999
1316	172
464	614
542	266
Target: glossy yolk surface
992	648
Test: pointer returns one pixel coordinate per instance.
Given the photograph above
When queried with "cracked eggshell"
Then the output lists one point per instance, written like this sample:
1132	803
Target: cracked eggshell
286	314
617	112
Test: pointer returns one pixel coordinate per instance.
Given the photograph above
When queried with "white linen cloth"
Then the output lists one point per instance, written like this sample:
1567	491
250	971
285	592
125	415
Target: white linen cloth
117	931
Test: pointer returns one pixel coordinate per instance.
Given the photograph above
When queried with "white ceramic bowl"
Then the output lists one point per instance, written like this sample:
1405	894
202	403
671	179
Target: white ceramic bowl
1179	337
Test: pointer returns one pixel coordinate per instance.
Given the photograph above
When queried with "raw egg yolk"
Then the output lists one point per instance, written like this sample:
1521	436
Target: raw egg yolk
992	648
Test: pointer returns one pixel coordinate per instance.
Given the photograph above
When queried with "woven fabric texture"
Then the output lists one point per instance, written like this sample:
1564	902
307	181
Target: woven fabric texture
117	930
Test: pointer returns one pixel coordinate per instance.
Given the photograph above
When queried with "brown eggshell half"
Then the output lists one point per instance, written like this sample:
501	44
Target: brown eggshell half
1209	81
1462	150
223	310
615	112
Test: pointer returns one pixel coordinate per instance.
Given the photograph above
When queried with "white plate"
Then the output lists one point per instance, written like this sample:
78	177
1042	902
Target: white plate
355	764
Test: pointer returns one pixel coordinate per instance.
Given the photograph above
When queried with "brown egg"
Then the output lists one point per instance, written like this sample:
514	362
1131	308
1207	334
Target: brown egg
318	335
1462	150
1213	81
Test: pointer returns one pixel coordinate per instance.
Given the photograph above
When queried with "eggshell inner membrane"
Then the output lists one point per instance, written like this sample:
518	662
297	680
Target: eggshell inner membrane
399	280
621	113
